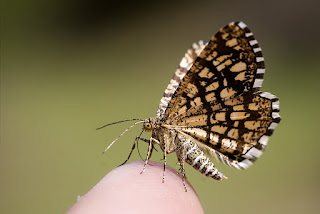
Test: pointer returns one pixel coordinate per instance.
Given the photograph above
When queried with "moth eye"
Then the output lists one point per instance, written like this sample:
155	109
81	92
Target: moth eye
147	126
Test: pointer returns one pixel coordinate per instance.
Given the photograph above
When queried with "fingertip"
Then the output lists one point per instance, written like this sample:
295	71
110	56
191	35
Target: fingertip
125	190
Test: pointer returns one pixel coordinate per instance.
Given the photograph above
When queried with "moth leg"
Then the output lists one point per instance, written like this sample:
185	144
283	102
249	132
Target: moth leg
181	155
182	171
148	141
165	160
164	165
143	139
133	147
150	148
174	150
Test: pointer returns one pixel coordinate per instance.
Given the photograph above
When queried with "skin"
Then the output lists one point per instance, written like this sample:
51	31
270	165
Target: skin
125	190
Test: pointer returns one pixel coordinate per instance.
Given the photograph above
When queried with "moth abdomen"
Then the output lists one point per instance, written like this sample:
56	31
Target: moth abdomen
195	157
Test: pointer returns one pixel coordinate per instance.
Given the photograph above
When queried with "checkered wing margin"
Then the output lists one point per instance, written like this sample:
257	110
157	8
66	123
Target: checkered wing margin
217	101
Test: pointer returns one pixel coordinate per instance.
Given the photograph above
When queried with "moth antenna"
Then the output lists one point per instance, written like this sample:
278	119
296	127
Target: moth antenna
117	122
141	121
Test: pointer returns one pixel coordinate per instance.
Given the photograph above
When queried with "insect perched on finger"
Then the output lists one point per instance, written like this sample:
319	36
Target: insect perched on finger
213	106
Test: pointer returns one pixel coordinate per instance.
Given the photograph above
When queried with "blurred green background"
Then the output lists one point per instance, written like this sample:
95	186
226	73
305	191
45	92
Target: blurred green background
68	67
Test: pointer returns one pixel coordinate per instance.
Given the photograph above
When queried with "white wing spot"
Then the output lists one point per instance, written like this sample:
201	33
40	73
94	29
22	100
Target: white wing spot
264	140
258	83
260	71
249	34
242	25
259	59
253	42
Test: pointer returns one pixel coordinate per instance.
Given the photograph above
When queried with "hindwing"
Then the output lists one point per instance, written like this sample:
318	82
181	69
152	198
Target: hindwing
238	130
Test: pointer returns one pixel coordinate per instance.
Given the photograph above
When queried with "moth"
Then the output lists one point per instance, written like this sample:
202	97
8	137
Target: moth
212	106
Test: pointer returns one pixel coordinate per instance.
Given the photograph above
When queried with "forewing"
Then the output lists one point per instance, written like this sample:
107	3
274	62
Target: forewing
230	65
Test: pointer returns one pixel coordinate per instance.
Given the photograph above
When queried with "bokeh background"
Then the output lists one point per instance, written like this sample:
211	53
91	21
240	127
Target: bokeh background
68	67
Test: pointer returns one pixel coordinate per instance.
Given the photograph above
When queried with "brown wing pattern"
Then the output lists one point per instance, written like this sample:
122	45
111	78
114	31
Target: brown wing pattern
238	130
218	103
185	64
231	64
